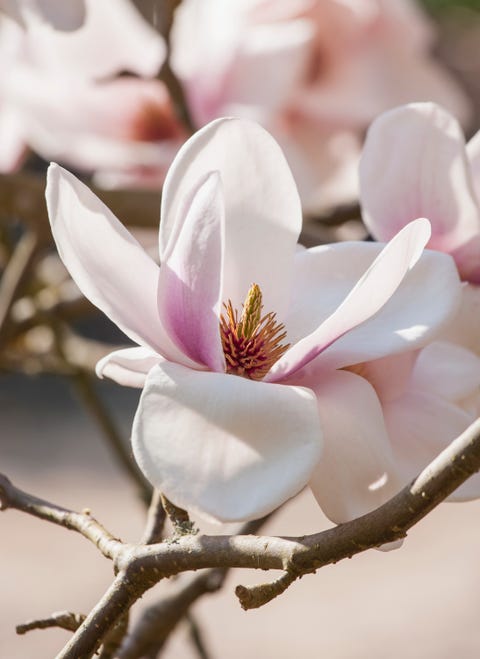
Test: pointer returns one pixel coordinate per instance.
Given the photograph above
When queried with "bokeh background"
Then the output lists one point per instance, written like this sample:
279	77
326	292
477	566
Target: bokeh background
419	602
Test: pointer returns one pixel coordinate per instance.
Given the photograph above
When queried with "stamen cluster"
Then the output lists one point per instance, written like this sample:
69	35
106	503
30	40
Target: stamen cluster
251	343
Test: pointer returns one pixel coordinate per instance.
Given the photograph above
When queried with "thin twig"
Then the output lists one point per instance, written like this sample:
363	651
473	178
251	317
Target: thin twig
97	409
156	517
196	637
14	276
84	523
63	619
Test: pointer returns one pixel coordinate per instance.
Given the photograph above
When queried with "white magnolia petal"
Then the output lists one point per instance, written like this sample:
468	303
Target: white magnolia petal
356	472
109	266
420	426
225	446
473	153
114	37
190	285
128	366
427	298
446	370
262	208
414	164
373	291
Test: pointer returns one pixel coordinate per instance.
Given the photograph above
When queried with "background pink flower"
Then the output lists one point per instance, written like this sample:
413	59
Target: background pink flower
57	95
314	73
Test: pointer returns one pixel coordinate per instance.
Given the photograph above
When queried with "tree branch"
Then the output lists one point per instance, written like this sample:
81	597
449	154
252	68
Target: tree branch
141	567
83	523
63	619
156	517
14	276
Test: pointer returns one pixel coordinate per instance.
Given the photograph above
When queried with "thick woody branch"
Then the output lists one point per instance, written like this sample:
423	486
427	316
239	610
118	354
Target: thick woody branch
141	567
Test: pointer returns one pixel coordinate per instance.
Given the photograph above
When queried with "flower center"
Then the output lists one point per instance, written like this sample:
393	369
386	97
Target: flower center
251	344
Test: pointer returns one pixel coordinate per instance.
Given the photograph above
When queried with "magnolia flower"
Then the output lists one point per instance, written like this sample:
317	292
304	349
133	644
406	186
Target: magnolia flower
415	162
238	402
313	72
52	97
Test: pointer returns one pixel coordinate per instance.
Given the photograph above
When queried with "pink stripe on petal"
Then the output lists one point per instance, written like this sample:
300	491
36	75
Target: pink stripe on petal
190	285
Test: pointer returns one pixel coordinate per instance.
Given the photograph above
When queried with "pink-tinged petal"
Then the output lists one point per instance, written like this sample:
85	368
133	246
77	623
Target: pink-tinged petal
373	290
446	370
262	209
125	124
113	38
356	472
190	285
414	164
389	376
224	446
109	266
464	328
426	299
129	366
12	139
420	426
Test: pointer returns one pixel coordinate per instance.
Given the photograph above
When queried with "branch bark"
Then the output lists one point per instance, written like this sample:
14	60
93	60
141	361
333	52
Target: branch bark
141	567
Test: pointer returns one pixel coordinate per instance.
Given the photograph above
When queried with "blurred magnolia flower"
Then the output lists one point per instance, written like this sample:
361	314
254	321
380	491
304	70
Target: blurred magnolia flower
53	97
415	162
314	72
237	402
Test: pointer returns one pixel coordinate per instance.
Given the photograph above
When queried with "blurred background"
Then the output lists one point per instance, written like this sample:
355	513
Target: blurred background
60	427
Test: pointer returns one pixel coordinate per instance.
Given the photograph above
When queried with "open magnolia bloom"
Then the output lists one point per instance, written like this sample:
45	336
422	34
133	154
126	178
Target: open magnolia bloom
315	73
238	402
57	94
415	163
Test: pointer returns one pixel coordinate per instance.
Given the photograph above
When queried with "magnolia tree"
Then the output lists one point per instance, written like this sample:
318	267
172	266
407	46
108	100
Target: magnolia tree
265	367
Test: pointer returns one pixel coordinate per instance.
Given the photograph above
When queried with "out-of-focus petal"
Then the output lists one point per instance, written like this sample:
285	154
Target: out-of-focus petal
129	366
356	472
61	15
373	290
446	370
420	426
269	63
225	446
190	285
414	164
262	207
113	38
12	139
107	263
